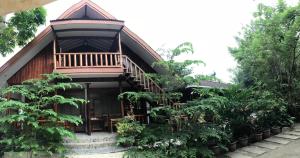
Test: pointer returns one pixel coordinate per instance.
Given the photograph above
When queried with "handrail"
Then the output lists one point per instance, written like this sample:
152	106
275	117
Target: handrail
87	60
140	69
146	81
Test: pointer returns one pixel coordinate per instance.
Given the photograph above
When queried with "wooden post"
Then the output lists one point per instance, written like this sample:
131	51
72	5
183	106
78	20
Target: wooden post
54	53
120	50
122	103
86	109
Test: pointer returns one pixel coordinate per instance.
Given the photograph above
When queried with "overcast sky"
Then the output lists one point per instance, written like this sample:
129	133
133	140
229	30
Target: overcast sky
209	24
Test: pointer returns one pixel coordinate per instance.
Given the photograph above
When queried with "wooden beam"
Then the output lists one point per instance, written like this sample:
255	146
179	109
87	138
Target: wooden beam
105	79
85	37
87	29
86	109
121	103
54	53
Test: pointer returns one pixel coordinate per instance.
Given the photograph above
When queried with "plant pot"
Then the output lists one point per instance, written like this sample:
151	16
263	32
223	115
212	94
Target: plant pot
232	146
216	149
275	130
251	138
258	137
266	133
285	129
243	141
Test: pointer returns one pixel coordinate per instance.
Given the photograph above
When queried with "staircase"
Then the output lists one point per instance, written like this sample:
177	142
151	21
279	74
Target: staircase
98	142
136	74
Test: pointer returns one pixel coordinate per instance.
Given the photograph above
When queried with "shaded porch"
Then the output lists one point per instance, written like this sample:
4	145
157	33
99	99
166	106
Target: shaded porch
103	110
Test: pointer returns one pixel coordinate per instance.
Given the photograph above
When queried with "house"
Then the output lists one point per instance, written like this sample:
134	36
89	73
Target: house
96	50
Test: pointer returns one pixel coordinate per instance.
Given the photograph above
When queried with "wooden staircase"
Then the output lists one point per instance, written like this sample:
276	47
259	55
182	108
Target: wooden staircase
133	72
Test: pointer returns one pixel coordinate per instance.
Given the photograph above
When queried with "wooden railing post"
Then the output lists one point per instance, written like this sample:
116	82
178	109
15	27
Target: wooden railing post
54	53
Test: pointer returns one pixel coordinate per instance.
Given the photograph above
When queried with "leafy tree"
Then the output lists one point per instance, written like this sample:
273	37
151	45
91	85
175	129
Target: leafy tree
178	74
20	29
21	126
268	50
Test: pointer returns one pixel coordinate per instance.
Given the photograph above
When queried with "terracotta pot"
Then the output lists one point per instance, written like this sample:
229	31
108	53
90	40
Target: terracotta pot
243	141
275	130
266	133
216	149
232	146
258	137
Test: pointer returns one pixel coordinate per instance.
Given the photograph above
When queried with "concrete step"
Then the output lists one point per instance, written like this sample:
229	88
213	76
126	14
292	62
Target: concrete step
104	150
292	133
246	153
94	145
268	145
254	150
237	155
287	136
94	137
278	140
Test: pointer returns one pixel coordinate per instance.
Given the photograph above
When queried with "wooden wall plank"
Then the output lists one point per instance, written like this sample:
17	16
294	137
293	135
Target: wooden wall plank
40	64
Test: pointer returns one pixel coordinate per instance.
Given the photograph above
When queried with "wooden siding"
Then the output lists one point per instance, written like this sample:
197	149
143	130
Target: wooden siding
40	64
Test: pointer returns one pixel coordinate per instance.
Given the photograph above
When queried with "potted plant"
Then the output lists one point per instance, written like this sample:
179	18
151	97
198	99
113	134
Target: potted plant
266	133
243	141
216	150
275	130
258	136
232	145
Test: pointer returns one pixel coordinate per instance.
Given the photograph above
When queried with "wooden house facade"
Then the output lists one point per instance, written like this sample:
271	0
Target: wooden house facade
97	51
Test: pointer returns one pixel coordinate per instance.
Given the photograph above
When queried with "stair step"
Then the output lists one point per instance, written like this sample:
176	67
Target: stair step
237	155
254	149
268	145
104	150
278	140
287	136
246	153
293	133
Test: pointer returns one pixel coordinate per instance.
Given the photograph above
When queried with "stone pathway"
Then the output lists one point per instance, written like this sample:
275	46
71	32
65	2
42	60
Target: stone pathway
268	146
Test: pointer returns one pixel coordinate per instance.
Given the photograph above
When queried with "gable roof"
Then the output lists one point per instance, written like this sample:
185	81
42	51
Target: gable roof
46	36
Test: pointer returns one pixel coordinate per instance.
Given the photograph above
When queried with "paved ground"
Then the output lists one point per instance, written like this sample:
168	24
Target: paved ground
284	145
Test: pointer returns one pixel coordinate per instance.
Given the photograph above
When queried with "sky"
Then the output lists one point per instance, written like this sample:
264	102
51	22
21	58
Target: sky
210	25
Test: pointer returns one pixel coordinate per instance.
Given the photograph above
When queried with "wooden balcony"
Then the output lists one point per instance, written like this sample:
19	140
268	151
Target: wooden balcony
88	62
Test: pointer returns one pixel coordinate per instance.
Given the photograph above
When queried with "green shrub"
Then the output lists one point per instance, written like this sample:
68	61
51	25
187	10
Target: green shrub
128	131
21	128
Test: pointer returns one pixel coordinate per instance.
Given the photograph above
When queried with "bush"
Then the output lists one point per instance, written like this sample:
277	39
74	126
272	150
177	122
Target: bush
21	128
128	132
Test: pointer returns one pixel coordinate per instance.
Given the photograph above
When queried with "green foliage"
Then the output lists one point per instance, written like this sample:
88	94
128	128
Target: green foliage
21	128
177	74
268	51
128	130
136	98
20	29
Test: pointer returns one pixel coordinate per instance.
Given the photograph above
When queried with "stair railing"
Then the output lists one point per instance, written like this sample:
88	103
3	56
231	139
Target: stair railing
140	76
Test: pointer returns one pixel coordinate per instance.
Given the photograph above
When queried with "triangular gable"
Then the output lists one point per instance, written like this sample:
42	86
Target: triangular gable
46	36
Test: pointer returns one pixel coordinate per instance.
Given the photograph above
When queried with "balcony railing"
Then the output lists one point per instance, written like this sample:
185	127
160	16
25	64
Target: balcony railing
87	60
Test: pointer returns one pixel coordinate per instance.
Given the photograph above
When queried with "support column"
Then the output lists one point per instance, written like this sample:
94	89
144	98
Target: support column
120	49
87	124
54	53
121	102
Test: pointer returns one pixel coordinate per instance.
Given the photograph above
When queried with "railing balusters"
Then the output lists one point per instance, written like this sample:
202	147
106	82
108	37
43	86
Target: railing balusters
106	61
80	58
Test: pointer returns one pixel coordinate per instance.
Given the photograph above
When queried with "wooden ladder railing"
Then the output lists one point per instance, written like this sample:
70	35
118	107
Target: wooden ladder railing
143	80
